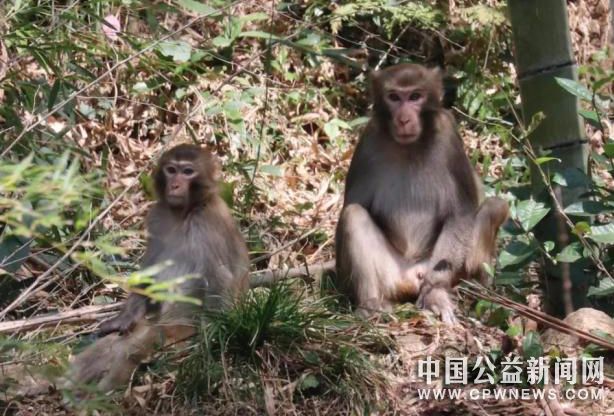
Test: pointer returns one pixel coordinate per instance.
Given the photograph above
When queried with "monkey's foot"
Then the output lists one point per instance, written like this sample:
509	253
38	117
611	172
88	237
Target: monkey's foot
438	301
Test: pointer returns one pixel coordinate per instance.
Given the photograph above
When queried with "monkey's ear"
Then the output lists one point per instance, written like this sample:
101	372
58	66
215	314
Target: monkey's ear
374	81
436	75
214	167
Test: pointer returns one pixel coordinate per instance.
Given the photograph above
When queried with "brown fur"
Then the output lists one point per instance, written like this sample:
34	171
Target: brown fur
200	237
411	224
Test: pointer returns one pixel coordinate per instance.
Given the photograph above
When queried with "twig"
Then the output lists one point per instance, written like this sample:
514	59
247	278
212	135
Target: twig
480	292
33	287
283	247
270	277
93	313
87	313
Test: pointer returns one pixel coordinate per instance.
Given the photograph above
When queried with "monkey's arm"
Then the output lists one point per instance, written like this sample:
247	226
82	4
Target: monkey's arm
446	265
136	306
133	310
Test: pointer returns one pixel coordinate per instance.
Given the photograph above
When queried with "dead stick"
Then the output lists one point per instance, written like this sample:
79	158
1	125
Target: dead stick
94	313
538	316
87	313
270	277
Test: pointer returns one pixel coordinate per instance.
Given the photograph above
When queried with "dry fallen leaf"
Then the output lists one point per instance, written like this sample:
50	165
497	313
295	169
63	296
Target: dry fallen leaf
111	27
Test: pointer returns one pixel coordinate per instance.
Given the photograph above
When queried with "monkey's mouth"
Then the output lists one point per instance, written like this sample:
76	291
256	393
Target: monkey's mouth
406	138
175	200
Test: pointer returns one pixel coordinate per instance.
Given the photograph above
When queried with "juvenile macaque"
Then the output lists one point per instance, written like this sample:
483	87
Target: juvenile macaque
191	226
412	225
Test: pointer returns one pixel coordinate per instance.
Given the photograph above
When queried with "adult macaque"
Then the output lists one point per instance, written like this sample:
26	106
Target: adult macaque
412	225
191	226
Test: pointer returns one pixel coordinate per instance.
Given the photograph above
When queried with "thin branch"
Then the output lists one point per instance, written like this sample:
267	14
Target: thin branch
479	292
85	314
270	277
94	313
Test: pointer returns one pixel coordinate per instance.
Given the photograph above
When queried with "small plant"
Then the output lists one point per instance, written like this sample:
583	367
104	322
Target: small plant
280	334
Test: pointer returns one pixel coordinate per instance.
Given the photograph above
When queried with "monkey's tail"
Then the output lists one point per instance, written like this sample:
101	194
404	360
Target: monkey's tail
492	213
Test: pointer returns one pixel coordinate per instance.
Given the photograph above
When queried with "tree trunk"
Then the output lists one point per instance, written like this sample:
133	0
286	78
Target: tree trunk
543	51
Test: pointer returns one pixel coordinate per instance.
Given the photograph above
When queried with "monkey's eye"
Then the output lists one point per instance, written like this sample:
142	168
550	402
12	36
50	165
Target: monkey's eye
415	96
394	97
188	171
170	170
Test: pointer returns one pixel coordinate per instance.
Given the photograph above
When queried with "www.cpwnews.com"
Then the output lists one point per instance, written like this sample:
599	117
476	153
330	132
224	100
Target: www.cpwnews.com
513	393
570	374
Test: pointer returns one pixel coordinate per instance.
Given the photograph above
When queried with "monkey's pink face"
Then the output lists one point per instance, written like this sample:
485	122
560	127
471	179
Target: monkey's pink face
178	177
405	106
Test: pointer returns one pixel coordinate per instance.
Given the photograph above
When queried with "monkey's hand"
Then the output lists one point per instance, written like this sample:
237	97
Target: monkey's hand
133	311
436	298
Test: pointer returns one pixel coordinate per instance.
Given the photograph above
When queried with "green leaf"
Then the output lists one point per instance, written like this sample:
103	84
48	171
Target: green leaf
588	208
581	228
309	382
514	331
221	42
232	110
548	246
14	250
571	178
608	149
272	170
575	88
535	122
359	121
179	50
312	357
254	17
258	34
333	128
591	116
227	192
580	91
515	252
53	94
346	10
140	87
310	41
483	306
529	213
531	345
198	7
546	159
87	111
605	288
571	253
602	233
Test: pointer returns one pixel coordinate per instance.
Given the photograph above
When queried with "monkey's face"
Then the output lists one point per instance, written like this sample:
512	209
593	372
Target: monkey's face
178	176
186	177
405	107
402	95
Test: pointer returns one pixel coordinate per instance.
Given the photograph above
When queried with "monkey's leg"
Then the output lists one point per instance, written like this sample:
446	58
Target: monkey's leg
492	213
375	273
447	262
111	360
